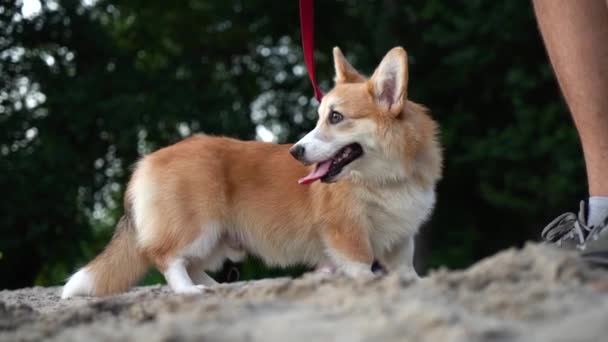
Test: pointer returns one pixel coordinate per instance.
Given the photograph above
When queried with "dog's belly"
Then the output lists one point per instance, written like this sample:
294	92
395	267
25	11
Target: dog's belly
280	247
397	214
292	253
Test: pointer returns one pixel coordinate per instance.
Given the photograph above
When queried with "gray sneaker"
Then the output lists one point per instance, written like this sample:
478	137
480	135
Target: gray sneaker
571	231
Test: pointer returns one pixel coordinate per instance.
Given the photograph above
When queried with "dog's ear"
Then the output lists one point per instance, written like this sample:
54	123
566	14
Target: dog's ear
388	84
345	73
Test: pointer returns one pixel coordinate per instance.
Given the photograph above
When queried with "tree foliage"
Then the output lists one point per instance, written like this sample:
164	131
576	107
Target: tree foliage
87	87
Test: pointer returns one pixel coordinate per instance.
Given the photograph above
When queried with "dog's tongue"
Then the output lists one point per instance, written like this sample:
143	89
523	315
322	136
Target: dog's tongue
318	173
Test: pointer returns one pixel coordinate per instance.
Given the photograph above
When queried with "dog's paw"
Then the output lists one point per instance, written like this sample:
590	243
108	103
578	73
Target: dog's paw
191	290
326	268
408	276
357	270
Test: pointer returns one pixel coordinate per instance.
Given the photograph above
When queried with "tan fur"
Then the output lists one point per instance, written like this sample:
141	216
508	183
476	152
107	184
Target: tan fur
230	195
121	263
345	73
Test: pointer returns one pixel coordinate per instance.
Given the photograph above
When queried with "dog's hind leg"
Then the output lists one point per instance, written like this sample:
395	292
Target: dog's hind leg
178	278
196	270
178	264
214	262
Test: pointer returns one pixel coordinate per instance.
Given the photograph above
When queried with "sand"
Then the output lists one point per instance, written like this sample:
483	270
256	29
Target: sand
537	293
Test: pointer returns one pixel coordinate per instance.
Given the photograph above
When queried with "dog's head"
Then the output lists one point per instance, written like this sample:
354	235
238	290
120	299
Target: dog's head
364	131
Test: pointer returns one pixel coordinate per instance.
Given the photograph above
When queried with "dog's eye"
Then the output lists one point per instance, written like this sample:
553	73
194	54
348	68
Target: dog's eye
335	117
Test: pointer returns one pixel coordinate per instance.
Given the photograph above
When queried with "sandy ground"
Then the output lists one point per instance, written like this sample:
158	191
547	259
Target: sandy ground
534	294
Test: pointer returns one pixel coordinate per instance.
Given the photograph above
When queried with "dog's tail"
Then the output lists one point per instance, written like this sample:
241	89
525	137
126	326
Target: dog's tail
119	266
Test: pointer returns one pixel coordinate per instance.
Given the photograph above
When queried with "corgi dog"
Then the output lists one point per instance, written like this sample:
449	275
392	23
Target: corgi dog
367	174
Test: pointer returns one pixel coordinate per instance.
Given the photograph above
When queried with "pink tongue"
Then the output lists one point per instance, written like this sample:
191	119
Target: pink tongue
318	173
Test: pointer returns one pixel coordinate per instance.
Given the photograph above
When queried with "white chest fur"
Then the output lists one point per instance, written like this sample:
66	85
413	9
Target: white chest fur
395	213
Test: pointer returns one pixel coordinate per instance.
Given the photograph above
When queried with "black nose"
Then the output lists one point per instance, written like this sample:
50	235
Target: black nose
297	151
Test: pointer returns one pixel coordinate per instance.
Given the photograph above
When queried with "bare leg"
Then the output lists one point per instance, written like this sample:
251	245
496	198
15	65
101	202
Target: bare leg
576	36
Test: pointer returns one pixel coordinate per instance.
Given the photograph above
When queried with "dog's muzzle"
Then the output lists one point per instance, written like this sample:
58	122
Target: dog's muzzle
297	151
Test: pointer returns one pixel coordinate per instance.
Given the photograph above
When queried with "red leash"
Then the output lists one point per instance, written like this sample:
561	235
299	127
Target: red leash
308	42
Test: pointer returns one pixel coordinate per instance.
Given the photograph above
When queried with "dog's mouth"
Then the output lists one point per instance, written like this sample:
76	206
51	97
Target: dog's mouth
330	168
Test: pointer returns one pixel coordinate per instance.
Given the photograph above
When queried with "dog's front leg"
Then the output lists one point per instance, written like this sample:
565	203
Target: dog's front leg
401	259
350	250
326	266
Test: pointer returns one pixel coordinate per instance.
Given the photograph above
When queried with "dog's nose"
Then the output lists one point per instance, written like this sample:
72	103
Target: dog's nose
297	151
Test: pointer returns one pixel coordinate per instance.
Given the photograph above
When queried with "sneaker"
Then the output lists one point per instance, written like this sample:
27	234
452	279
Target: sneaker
571	231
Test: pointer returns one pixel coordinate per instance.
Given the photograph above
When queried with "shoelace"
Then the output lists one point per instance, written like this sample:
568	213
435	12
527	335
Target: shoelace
570	227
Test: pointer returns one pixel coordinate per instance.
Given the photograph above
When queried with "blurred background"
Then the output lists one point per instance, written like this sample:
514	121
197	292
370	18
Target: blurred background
87	87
